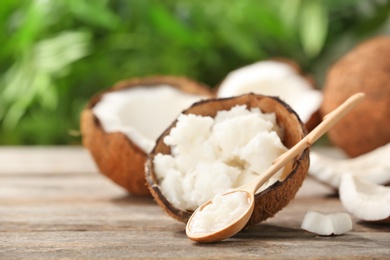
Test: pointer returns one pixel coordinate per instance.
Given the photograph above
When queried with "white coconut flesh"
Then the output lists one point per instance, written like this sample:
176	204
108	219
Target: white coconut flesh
274	78
373	167
210	156
327	224
363	199
142	113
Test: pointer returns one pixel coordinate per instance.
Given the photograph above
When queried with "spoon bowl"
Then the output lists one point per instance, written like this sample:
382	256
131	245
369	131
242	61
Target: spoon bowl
234	226
227	231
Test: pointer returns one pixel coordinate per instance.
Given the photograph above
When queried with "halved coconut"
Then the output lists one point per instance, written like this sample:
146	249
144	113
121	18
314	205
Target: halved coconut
282	78
268	201
121	124
363	69
365	200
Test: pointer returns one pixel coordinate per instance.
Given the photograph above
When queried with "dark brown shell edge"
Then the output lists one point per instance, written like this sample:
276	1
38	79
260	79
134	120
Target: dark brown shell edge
267	202
116	156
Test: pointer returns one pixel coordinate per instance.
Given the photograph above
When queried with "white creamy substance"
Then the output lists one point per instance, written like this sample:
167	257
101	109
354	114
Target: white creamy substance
220	213
142	113
273	78
210	156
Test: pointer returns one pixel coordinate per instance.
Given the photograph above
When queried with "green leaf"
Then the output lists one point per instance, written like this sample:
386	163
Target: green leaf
16	111
313	27
95	12
54	54
169	26
289	12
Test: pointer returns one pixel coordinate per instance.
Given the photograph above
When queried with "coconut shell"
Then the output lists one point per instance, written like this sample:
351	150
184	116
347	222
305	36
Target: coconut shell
117	157
365	68
275	197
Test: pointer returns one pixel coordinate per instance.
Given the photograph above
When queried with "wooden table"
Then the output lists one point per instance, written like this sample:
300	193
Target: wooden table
55	205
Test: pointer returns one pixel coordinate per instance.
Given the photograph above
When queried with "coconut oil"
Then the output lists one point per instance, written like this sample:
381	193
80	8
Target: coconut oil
220	213
209	155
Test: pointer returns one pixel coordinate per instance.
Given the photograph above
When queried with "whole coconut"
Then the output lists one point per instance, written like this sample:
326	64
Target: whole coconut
366	69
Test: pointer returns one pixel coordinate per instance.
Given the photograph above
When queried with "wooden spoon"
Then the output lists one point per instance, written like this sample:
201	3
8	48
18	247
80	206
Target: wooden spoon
250	188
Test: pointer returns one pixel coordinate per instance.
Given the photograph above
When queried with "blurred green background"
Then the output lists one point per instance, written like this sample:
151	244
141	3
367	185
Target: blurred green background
55	54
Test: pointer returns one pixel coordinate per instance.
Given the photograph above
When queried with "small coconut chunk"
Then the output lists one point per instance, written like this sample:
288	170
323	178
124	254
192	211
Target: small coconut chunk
373	166
363	199
212	155
274	78
142	113
327	224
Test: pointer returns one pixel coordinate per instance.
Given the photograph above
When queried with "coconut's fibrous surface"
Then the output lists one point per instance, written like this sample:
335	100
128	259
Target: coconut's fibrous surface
282	78
219	144
364	69
121	124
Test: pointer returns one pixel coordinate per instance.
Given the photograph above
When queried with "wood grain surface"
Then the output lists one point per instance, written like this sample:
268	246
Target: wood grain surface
55	205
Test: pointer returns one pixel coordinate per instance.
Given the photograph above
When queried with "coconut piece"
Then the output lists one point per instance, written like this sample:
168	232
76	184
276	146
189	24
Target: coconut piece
280	78
327	224
363	69
365	200
120	125
373	166
268	201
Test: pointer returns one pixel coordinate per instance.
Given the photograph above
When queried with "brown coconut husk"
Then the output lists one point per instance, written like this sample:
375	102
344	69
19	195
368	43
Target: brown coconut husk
117	157
364	69
275	197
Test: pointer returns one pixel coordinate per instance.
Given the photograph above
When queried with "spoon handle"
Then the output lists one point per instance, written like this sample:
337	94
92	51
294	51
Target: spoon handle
328	121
